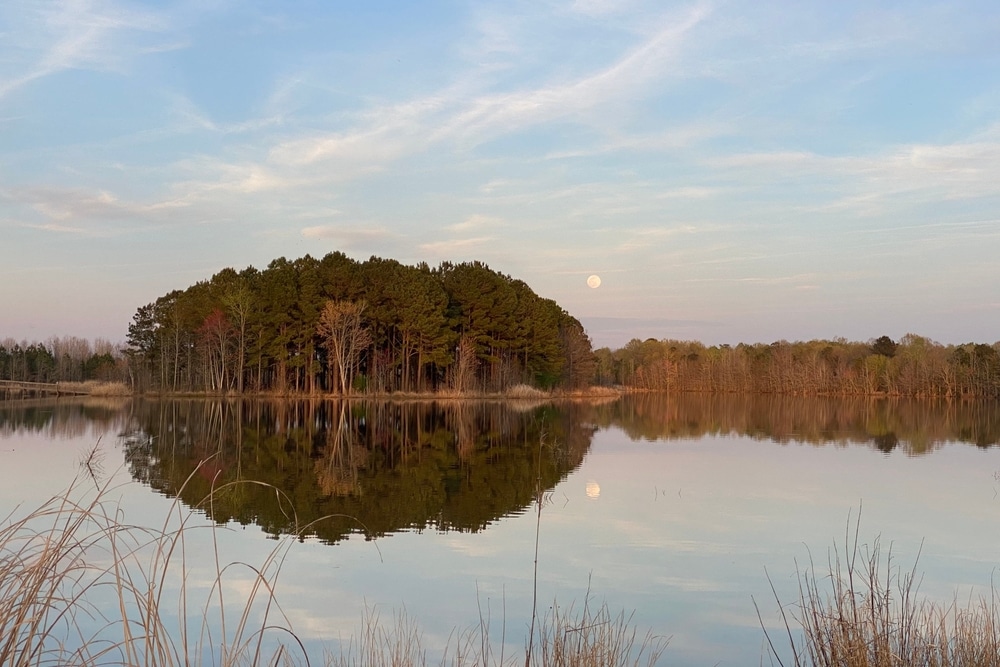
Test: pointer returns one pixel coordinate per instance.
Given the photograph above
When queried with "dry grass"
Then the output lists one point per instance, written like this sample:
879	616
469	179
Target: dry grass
80	586
565	639
525	392
110	389
96	388
378	645
865	612
594	639
593	392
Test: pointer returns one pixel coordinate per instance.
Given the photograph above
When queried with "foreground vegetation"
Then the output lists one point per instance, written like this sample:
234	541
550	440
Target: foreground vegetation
80	586
864	611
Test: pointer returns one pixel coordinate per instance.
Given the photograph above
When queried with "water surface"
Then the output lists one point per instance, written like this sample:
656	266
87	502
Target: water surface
680	508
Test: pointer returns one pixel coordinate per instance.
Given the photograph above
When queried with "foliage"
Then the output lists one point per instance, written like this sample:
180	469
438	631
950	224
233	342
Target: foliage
67	359
916	366
459	327
884	346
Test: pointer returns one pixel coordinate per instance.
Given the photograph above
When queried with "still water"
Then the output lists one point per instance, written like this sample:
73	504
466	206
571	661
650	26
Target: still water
683	509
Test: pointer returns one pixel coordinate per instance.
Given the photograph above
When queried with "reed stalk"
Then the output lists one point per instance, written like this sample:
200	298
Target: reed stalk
79	586
864	610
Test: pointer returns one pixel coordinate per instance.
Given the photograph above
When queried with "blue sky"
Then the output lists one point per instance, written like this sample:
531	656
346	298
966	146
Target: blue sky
734	171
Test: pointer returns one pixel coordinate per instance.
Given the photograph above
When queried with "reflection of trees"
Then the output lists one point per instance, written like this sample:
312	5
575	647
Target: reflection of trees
337	469
62	418
917	426
383	466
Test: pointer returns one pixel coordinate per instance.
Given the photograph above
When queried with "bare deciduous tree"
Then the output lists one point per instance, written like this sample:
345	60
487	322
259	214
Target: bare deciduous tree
344	336
465	366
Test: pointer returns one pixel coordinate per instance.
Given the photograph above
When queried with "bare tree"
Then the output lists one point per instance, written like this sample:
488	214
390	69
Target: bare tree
466	364
239	303
344	336
216	335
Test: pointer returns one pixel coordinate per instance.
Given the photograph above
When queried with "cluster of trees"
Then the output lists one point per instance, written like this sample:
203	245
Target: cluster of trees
341	326
913	366
68	359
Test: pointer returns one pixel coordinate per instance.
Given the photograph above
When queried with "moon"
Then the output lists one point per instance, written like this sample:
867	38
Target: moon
593	282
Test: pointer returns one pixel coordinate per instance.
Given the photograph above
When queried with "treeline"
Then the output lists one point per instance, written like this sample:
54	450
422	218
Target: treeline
913	366
67	359
335	325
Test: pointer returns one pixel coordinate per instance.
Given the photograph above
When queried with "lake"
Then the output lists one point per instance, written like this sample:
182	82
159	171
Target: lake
685	510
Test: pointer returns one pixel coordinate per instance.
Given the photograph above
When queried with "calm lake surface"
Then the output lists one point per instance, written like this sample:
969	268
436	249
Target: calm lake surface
677	507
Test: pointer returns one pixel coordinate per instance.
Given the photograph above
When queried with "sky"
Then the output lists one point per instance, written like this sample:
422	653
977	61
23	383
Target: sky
733	170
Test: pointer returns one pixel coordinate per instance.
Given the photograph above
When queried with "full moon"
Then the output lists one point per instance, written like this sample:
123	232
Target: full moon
593	282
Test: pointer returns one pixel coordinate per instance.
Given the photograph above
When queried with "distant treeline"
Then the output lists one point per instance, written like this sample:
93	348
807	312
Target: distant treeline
913	366
335	325
68	359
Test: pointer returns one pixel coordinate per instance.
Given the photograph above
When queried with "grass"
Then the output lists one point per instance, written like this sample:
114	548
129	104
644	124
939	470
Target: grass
594	639
590	638
96	388
865	611
81	586
525	392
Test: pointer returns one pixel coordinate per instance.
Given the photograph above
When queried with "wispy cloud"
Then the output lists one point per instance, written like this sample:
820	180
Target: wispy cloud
206	178
599	7
61	229
446	248
508	112
689	192
75	34
61	205
385	134
920	172
192	117
759	280
636	239
476	221
348	237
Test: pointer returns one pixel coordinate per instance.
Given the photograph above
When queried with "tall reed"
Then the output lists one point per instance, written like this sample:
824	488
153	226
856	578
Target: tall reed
565	638
865	611
80	586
